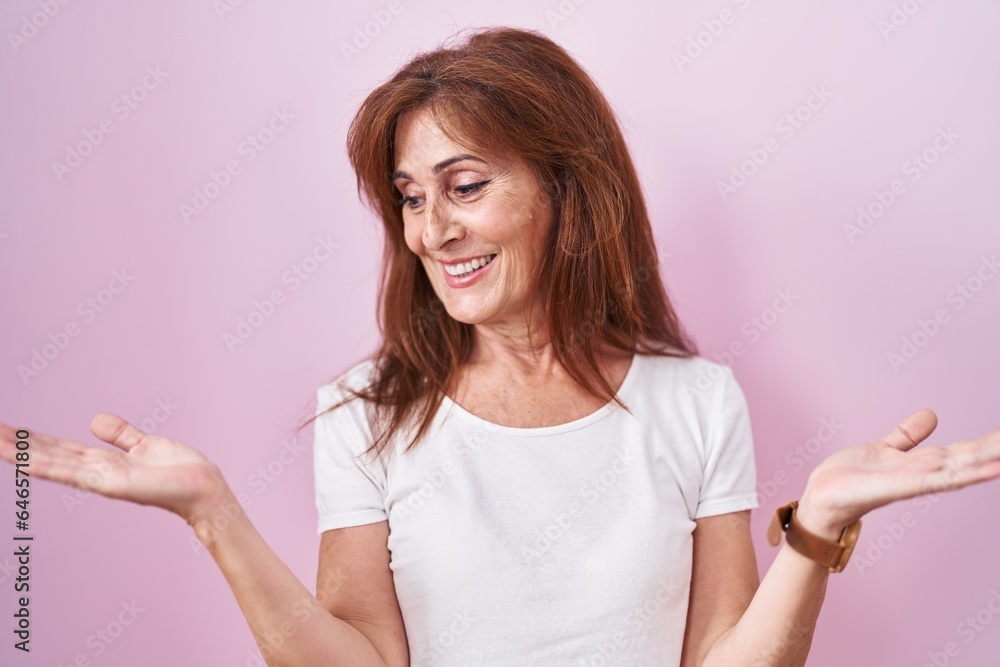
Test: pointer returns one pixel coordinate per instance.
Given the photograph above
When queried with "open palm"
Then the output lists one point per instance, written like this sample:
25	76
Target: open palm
145	469
853	481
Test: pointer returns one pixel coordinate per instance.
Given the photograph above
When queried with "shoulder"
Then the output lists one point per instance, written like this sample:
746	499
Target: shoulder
356	377
341	419
694	375
689	387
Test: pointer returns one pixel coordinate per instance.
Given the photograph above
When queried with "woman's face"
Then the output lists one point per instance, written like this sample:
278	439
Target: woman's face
479	224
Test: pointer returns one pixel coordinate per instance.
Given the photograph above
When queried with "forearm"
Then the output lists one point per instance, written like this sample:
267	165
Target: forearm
290	625
776	630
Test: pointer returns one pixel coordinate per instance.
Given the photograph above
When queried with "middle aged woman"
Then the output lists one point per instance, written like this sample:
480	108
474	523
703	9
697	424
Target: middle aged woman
535	467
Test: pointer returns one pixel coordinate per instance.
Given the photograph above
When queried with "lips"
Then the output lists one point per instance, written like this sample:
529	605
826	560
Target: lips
462	268
471	271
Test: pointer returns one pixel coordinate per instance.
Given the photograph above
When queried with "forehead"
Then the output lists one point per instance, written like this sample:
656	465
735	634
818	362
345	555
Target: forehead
418	134
420	141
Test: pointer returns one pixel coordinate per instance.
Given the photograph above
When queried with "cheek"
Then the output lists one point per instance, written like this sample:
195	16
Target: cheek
411	234
530	228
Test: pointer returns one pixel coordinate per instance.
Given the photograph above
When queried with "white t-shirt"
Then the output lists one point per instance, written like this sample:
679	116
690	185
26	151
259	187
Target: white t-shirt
558	545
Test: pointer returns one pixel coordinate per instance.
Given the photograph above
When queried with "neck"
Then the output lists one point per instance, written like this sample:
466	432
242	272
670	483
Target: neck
519	347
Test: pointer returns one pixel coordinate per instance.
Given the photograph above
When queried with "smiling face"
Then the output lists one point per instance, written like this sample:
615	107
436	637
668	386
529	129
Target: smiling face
479	224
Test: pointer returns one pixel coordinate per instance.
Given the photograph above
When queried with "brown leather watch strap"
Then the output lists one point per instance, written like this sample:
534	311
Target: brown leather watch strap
833	555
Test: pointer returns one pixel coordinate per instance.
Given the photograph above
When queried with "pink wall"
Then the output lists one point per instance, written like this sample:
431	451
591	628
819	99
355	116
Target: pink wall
163	95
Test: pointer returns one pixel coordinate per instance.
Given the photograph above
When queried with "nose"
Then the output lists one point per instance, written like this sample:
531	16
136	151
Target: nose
440	225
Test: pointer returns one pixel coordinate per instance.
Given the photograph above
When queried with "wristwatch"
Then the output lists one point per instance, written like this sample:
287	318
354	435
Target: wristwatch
834	555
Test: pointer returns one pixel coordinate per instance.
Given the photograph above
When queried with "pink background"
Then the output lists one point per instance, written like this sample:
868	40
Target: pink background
160	339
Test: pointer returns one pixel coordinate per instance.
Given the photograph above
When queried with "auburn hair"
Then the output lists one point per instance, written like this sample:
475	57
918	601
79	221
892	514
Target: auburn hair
510	91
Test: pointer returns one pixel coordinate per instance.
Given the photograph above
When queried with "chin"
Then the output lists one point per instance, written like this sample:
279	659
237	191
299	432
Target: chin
465	316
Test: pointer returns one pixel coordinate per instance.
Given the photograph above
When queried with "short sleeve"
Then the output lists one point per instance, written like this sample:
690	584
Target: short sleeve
730	475
347	492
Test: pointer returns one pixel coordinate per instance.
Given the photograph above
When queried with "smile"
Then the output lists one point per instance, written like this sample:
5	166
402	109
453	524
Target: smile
468	267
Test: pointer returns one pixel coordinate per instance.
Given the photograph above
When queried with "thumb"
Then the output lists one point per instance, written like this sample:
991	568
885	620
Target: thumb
912	430
114	430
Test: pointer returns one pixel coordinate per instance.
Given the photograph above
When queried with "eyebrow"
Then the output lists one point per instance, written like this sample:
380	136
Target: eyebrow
443	164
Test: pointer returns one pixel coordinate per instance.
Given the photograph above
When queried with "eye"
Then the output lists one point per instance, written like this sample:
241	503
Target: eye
471	188
410	201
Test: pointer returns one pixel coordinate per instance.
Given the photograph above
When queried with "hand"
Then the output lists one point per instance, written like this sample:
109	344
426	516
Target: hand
145	469
850	483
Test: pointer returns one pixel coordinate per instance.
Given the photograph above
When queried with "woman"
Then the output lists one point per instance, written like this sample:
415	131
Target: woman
531	469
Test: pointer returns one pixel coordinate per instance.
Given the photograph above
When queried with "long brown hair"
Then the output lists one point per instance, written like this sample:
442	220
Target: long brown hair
512	92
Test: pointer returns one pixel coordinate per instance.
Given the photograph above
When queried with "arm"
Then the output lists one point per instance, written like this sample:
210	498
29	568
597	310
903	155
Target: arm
729	623
777	625
289	624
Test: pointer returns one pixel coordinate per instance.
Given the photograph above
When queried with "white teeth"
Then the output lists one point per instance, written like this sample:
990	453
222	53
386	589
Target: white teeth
468	267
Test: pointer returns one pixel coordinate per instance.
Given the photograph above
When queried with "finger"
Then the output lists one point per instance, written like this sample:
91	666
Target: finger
64	461
912	430
37	443
114	430
90	470
956	475
8	434
982	449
